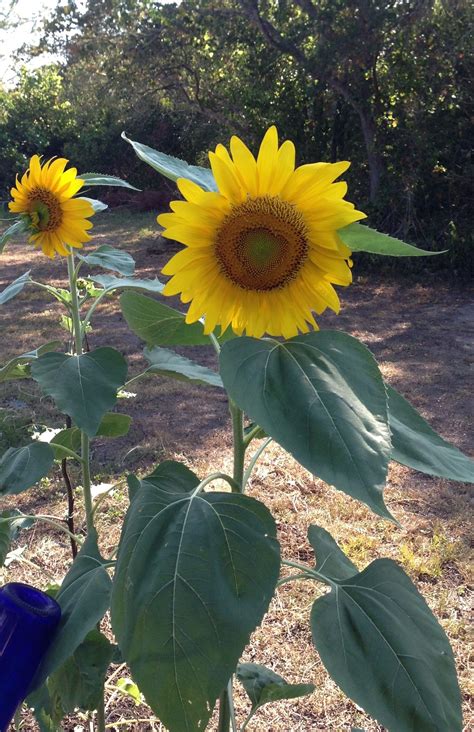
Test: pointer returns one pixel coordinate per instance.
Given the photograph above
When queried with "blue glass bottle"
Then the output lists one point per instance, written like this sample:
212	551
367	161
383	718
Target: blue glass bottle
28	621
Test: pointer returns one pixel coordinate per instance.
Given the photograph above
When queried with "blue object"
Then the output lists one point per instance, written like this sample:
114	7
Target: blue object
28	621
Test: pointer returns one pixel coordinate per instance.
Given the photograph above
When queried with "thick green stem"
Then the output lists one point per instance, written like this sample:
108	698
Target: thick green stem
224	712
101	715
226	715
239	444
86	482
76	318
78	334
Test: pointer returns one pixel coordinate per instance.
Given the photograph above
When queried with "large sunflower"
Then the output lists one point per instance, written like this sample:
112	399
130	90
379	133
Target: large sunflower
263	252
45	195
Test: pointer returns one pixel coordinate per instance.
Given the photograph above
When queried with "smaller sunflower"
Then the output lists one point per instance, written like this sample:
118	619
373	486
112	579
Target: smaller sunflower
45	197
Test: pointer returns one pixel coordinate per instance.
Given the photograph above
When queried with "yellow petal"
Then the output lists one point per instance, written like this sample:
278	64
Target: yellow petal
284	168
189	235
246	165
226	181
267	159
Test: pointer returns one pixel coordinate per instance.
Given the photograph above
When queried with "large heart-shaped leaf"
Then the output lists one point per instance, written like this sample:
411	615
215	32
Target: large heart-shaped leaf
22	467
168	363
361	238
321	396
14	288
158	324
111	283
17	368
195	575
84	387
173	168
84	598
110	258
101	179
417	445
383	646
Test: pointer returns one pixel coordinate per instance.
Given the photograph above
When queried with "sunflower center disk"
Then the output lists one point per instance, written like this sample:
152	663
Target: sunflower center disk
45	209
262	243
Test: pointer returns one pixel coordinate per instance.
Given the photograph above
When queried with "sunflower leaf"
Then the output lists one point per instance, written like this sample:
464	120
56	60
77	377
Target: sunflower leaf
361	238
16	368
18	227
22	467
333	420
100	179
84	599
168	363
384	648
263	685
173	168
195	574
111	283
418	446
158	324
14	288
110	258
98	206
84	387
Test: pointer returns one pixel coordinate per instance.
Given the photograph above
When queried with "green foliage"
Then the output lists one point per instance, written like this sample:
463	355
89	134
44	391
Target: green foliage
417	445
84	598
19	227
167	363
360	238
195	574
84	387
110	283
385	86
14	288
405	676
158	324
333	420
173	168
79	681
18	367
99	179
263	685
110	258
329	557
22	467
11	522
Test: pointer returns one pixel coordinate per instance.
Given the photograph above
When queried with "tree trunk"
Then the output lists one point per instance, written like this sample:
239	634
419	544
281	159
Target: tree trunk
373	156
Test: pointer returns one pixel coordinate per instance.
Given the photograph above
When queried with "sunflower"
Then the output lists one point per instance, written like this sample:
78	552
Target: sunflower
45	196
262	253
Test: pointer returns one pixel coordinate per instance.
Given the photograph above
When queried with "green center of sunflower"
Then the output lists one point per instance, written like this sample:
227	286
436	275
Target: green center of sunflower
262	243
44	209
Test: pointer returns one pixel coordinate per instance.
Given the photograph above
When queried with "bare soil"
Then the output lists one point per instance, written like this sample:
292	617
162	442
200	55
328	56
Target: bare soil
421	332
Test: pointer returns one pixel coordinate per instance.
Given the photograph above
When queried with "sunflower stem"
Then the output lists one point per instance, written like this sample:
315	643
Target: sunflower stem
239	444
78	335
101	714
226	703
226	710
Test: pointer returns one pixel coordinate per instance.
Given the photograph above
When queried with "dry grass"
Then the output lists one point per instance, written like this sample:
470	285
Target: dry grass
418	333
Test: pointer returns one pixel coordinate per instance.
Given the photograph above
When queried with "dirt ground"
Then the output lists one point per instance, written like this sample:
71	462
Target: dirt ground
421	332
